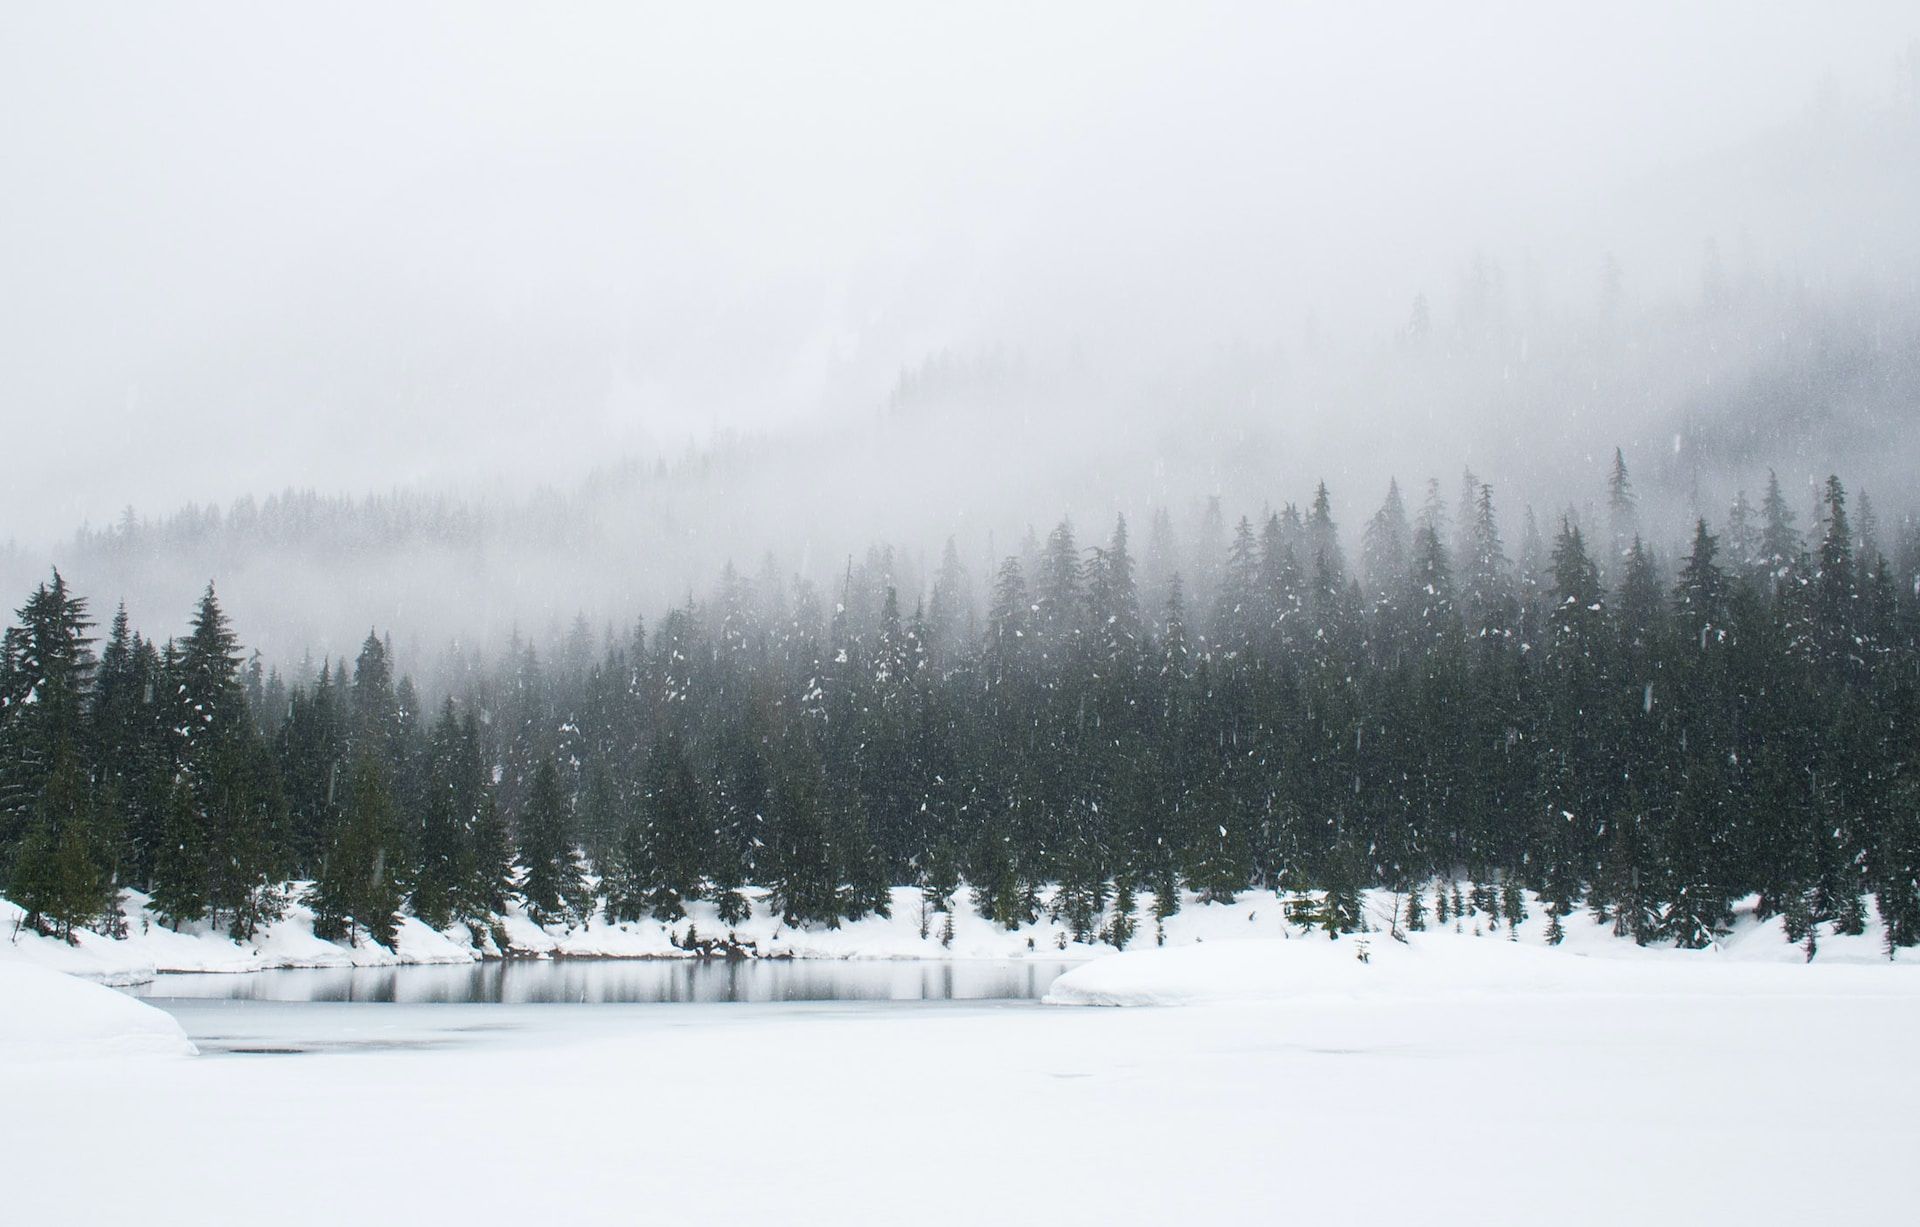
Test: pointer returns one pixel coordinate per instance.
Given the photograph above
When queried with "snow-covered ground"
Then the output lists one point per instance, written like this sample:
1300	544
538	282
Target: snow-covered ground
1451	1080
46	1016
1469	1073
151	947
1446	966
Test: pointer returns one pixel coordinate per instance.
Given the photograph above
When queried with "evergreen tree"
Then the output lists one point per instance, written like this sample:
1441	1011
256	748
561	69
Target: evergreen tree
356	889
950	612
553	882
58	851
1059	591
46	674
58	876
1743	537
1486	598
446	828
940	877
1386	548
671	843
1120	928
1623	511
1323	539
495	867
180	873
1836	589
1779	542
1416	912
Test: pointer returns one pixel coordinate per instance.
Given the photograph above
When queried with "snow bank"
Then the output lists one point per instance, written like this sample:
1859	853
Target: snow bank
1223	971
1314	965
1454	964
764	934
46	1014
151	947
89	955
1364	965
908	933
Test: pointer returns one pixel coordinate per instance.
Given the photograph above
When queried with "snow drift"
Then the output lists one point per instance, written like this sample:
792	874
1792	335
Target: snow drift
46	1014
1447	964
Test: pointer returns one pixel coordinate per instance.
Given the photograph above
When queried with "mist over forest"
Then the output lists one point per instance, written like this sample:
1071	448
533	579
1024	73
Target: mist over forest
722	574
568	340
1706	393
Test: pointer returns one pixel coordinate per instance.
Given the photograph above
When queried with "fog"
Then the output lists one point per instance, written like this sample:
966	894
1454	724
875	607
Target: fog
635	292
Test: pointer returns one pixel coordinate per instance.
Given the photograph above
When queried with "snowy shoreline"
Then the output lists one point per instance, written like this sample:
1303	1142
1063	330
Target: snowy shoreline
151	949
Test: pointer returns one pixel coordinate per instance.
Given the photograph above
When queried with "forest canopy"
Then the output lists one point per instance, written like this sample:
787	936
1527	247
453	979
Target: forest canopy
1650	735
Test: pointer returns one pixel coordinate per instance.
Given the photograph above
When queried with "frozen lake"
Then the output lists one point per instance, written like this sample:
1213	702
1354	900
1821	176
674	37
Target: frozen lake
1639	1089
344	1009
607	981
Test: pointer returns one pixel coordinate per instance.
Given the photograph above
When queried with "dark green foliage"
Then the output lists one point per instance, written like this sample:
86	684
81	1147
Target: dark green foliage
733	905
355	891
1333	912
57	856
940	877
1120	928
180	869
58	881
553	884
801	862
1416	912
447	852
228	787
997	890
1080	896
1513	903
61	872
1340	912
1651	741
494	870
663	852
626	875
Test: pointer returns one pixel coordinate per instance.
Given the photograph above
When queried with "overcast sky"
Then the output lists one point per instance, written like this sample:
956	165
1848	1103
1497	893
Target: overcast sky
248	246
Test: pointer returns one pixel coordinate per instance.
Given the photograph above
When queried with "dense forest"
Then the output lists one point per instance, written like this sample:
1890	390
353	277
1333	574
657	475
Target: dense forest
1650	735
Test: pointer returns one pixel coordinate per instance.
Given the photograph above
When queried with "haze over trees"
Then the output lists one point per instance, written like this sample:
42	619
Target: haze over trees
1056	309
1706	392
1647	731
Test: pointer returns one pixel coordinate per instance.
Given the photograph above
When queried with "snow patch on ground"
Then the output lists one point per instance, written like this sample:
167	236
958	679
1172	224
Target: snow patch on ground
44	1014
1443	964
1231	971
1218	961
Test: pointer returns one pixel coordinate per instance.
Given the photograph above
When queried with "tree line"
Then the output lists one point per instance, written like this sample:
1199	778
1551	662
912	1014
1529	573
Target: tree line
1650	739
